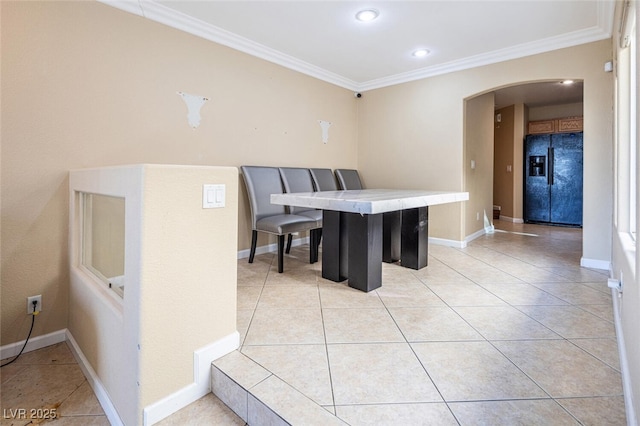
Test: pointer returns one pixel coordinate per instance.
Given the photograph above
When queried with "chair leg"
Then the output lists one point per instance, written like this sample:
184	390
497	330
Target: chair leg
280	253
289	238
254	240
313	236
318	241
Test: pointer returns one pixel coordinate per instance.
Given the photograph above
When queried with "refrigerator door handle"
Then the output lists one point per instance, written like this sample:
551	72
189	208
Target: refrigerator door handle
550	161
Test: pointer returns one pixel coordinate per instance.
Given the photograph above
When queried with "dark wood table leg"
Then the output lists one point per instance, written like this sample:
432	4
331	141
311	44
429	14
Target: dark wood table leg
334	246
365	251
391	236
415	237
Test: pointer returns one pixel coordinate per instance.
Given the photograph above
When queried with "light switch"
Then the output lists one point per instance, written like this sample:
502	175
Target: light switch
213	196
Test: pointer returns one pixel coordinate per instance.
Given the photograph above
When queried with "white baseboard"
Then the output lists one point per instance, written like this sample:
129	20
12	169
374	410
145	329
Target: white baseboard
475	235
511	219
624	362
447	243
95	382
595	264
39	342
202	359
271	248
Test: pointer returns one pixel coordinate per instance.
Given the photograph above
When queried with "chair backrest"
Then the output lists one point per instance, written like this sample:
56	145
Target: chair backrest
348	179
296	180
323	180
261	182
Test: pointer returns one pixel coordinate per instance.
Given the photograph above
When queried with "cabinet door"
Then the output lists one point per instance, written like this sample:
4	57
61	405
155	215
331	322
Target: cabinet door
536	196
566	184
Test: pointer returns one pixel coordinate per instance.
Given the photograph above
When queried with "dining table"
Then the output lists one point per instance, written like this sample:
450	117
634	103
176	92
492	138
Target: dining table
364	227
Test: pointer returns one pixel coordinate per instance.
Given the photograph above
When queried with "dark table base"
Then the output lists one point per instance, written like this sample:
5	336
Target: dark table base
355	245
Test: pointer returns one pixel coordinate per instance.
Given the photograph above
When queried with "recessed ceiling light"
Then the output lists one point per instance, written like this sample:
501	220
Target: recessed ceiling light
367	15
567	82
420	53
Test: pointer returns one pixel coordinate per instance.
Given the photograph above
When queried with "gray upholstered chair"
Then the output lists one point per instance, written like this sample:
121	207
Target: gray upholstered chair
261	182
323	180
348	179
299	180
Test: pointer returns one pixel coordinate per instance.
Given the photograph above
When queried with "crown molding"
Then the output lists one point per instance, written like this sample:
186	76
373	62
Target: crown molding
514	52
172	18
159	13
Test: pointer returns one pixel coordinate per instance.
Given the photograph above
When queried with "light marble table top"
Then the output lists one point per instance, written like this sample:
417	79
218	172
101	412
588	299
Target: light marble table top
368	201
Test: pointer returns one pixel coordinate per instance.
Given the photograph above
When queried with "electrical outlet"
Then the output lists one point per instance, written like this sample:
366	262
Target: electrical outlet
30	307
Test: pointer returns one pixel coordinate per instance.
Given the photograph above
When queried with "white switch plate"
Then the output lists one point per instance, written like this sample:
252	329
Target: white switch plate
213	196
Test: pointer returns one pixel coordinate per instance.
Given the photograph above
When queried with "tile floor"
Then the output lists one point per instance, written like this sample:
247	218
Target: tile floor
508	331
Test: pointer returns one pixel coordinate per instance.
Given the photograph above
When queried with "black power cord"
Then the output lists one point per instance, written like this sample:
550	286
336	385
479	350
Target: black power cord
33	320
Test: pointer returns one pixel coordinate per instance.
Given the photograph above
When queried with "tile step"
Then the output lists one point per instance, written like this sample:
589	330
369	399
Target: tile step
260	398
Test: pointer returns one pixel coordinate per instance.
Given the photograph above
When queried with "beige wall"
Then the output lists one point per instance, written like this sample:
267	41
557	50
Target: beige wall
504	139
87	85
556	111
412	135
478	180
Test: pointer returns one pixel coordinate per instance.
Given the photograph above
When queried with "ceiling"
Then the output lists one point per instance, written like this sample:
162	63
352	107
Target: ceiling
323	39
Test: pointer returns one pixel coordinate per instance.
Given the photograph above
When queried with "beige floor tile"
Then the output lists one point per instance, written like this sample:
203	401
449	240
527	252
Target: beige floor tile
208	410
82	421
11	370
408	295
465	371
41	385
436	271
304	367
254	273
393	273
601	285
465	295
245	371
55	354
511	413
340	295
81	402
606	350
576	293
603	311
291	406
292	277
562	369
428	414
285	326
243	319
378	373
484	274
570	322
289	297
577	274
522	294
248	297
490	322
432	323
368	325
597	411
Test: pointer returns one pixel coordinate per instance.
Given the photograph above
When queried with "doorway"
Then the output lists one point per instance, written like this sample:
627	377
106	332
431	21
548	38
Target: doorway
515	107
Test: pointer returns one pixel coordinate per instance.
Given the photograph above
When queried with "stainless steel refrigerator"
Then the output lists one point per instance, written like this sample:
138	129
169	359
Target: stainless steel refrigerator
553	179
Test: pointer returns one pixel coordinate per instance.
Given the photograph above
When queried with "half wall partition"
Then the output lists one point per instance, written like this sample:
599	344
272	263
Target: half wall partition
153	283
